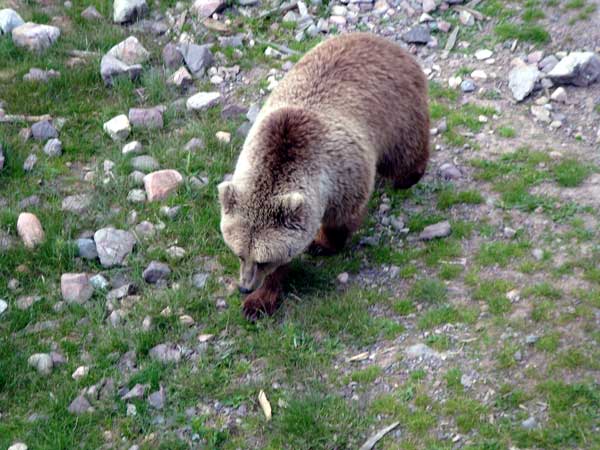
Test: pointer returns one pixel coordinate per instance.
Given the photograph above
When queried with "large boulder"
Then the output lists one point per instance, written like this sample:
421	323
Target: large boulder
577	68
35	37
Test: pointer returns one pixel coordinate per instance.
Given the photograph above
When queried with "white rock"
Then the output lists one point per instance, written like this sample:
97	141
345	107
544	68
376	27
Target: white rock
479	75
206	8
118	128
466	18
30	230
522	80
559	95
42	362
131	148
130	51
223	136
454	82
9	19
35	37
3	306
203	100
80	372
18	446
483	54
181	78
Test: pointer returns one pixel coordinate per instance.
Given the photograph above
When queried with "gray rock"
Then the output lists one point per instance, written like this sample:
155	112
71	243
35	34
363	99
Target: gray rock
53	148
166	353
76	287
144	163
27	301
538	254
203	100
420	351
437	230
181	78
531	339
170	212
40	75
236	40
113	246
42	362
98	282
130	51
91	14
35	37
43	130
417	35
518	355
80	406
136	392
78	203
172	57
156	271
136	196
522	81
9	19
149	118
221	304
194	145
86	248
450	172
111	68
121	292
125	11
197	58
206	8
578	68
199	280
529	424
158	399
137	178
132	148
467	86
548	63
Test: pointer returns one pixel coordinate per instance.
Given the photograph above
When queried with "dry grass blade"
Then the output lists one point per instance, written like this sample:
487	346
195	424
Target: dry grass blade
378	436
264	404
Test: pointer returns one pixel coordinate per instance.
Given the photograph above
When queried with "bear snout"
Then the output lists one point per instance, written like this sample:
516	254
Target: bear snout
244	290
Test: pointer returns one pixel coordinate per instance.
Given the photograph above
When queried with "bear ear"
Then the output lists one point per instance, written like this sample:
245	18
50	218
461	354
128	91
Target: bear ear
292	208
227	196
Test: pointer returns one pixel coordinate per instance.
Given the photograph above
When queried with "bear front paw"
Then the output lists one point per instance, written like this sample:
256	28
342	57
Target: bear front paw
260	303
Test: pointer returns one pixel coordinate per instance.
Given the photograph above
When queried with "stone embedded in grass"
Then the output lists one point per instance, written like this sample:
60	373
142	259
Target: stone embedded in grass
483	54
181	78
80	406
175	252
529	424
76	287
29	163
98	282
18	446
166	353
156	271
159	185
78	203
194	144
115	318
80	372
449	171
172	57
438	230
578	68
113	246
35	37
198	58
136	178
522	81
121	292
203	100
466	18
144	163
30	230
417	35
145	229
206	8
27	301
39	75
136	196
158	399
42	362
43	130
199	280
91	14
223	136
118	128
136	392
132	148
149	118
112	68
9	20
130	51
125	11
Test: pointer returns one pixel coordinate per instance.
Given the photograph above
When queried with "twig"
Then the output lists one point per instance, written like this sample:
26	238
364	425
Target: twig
281	48
378	436
16	118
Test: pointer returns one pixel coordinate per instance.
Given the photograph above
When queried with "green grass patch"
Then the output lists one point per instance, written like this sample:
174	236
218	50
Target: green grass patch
535	34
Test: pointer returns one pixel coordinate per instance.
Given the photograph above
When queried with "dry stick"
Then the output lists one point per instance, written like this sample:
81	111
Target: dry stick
378	436
450	43
16	118
281	48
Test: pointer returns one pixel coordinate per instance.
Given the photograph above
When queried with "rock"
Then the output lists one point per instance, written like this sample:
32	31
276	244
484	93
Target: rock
203	100
467	86
98	282
166	353
417	35
206	8
112	68
144	163
509	232
137	178
467	380
40	75
479	75
466	18
145	229
559	95
522	81
53	148
42	362
18	446
149	118
529	424
538	254
181	78
30	230
77	204
483	54
199	280
91	14
80	372
158	399
27	301
121	292
450	172
159	185
131	148
136	392
118	128
438	230
518	355
541	113
80	406
76	287
420	351
578	68
35	37
531	339
194	145
9	20
3	306
197	58
114	319
221	304
171	56
125	11
343	278
155	272
175	252
136	196
113	246
548	63
130	51
43	130
429	6
223	136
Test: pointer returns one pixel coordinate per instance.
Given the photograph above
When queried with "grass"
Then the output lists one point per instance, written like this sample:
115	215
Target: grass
535	34
448	198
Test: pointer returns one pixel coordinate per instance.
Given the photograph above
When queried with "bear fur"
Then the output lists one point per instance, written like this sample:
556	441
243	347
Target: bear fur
352	107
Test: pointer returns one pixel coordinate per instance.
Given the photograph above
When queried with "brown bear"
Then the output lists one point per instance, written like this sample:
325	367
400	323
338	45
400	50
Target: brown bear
353	106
